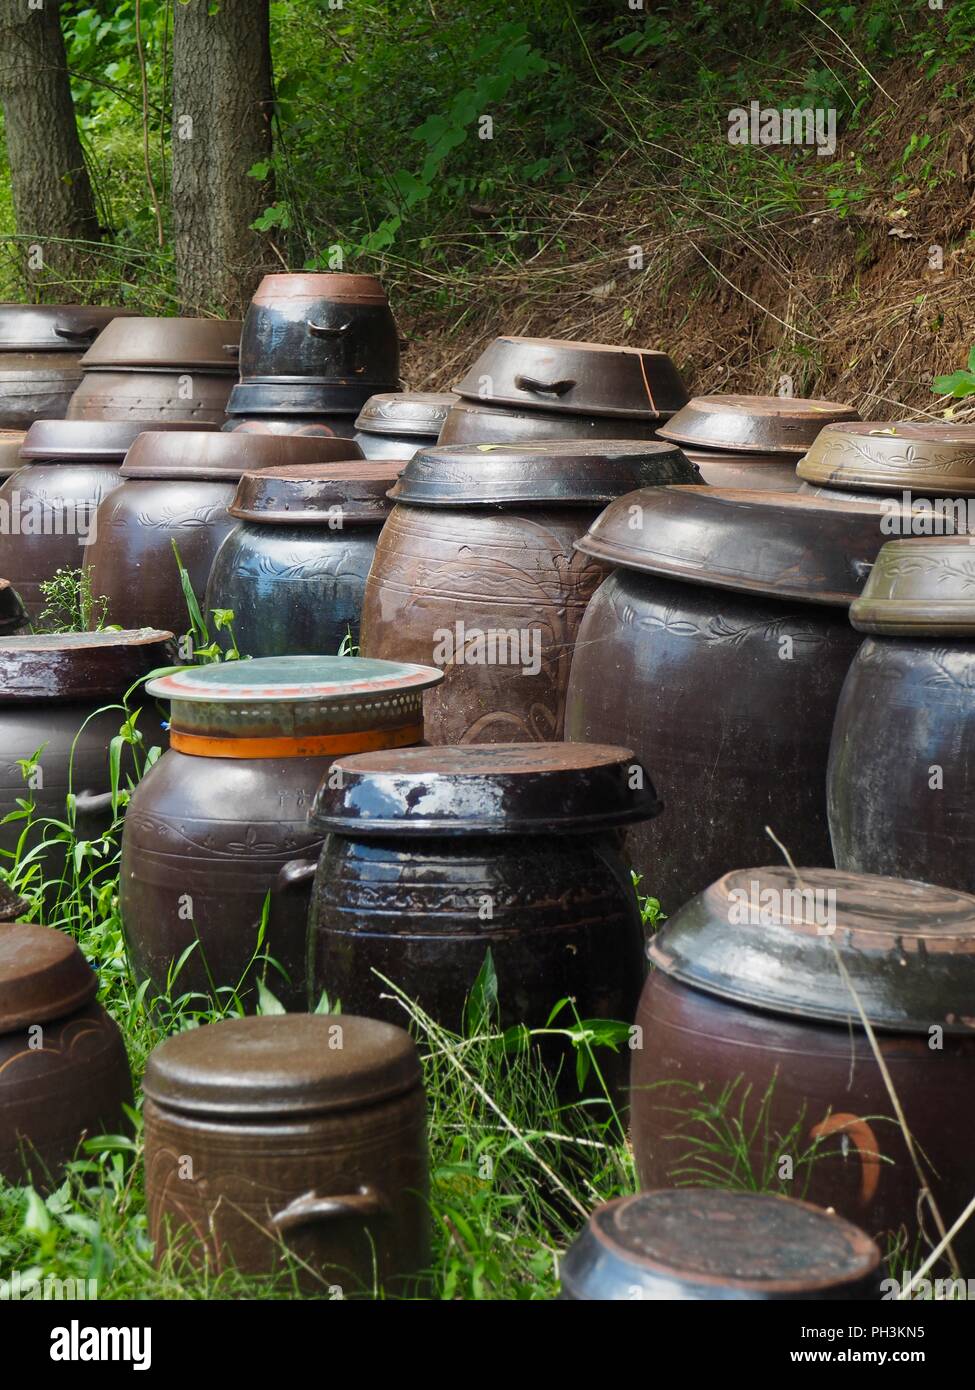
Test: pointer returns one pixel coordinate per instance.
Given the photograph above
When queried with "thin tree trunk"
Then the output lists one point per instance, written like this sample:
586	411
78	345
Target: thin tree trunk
222	100
52	193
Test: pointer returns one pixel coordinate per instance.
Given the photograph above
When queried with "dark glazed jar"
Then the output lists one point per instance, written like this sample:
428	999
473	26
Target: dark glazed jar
476	571
398	423
41	349
62	695
294	570
437	855
319	426
301	1135
717	650
48	507
213	823
902	762
470	422
64	1075
177	488
704	1244
749	1017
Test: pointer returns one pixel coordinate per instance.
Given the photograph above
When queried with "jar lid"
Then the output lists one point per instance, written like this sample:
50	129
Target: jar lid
12	614
318	494
220	456
170	343
478	422
784	544
489	789
338	287
704	1243
770	937
79	665
922	586
879	456
767	424
81	441
560	472
285	1065
43	975
294	706
405	412
54	327
573	377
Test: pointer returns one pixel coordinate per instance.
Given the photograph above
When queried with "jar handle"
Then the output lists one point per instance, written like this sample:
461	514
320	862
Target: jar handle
232	349
295	873
321	330
364	1202
81	335
552	388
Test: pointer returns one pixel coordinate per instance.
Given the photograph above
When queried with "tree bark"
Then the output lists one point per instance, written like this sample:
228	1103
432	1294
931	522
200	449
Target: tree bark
52	193
222	104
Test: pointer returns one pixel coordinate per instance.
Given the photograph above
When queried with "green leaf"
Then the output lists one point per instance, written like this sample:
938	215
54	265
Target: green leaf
267	1003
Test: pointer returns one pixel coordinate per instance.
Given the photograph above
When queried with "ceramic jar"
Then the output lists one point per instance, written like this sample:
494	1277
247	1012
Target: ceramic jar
476	571
41	350
470	422
210	828
64	1075
294	570
752	1017
705	1244
176	489
398	423
300	1135
717	650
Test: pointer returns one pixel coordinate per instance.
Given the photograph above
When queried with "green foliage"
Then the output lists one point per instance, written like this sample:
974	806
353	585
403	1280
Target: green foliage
69	604
960	383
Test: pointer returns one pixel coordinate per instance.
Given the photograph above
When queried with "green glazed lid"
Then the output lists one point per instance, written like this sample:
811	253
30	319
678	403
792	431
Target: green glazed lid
920	587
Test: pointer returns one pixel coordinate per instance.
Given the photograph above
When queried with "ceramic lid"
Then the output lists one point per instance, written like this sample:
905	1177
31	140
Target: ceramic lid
575	377
293	697
12	614
783	544
217	455
318	494
81	441
79	665
560	472
923	587
405	412
167	343
338	287
43	976
878	456
489	789
282	1065
705	1243
767	424
54	327
770	938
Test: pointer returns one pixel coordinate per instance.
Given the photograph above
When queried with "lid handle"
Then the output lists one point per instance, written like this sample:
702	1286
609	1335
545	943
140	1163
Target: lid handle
544	388
295	873
364	1202
232	349
81	335
322	330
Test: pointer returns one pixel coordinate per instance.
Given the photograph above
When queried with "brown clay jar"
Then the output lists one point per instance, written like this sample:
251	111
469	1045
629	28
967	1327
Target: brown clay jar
476	571
176	489
64	1075
41	350
211	827
300	1135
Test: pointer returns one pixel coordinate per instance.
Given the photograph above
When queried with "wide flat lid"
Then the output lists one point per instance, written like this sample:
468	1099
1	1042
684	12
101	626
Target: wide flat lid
767	424
495	789
881	456
339	287
167	342
560	472
751	1242
405	412
320	494
291	680
43	975
79	665
770	938
282	1065
69	441
922	586
219	455
785	544
54	327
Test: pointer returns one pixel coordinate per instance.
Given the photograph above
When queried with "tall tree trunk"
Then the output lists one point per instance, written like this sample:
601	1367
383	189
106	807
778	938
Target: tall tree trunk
52	192
222	101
